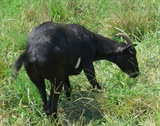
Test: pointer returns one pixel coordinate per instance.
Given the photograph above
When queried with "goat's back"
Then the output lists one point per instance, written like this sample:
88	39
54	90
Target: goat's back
52	46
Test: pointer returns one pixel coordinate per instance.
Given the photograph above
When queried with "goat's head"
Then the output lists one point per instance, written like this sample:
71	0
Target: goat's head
126	59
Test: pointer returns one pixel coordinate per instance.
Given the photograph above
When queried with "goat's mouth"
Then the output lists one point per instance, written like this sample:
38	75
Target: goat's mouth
133	74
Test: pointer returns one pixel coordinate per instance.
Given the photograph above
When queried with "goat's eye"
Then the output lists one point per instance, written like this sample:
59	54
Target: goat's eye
131	58
132	52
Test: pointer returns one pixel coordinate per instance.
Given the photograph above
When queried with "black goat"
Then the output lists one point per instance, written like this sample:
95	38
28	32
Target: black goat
56	51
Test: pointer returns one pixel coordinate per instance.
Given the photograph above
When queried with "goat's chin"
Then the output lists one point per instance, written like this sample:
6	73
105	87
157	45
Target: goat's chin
133	75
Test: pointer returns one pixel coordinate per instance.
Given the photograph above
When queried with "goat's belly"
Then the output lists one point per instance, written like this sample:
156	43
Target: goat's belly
75	71
48	70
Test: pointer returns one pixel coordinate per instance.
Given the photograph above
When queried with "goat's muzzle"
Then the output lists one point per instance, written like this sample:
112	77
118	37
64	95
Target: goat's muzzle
134	74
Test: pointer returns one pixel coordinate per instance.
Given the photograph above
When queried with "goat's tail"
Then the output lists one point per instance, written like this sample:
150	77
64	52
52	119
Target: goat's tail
18	64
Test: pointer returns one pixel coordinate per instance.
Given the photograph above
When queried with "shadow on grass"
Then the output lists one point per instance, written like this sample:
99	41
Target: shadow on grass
83	107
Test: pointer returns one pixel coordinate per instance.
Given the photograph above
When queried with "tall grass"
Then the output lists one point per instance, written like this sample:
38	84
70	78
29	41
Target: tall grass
123	101
136	17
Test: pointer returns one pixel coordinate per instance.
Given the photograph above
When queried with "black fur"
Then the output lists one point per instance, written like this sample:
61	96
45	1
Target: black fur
52	53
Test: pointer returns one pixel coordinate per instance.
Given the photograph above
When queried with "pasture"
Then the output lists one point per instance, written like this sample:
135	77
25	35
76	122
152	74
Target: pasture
123	101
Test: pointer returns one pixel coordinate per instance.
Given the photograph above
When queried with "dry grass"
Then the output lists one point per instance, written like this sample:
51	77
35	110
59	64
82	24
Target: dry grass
123	101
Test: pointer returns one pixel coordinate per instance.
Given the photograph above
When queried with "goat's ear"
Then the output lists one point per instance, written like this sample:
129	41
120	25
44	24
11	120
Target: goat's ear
129	46
120	49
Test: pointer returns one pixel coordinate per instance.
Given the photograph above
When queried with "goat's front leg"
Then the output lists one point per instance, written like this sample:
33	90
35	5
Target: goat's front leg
53	98
90	73
67	87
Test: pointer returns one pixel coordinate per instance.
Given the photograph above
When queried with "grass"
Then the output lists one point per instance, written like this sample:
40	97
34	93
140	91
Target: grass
122	102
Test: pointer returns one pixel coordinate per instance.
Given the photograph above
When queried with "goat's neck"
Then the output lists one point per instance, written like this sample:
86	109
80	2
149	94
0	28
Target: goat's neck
105	48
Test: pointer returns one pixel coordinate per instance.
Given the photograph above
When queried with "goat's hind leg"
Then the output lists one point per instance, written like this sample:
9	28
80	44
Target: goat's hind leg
56	87
39	82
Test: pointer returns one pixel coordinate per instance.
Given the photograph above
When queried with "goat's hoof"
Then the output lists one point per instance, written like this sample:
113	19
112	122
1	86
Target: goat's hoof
48	113
44	107
68	95
68	98
97	87
53	119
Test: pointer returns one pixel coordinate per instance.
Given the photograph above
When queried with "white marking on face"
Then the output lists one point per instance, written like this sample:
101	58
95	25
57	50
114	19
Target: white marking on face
78	63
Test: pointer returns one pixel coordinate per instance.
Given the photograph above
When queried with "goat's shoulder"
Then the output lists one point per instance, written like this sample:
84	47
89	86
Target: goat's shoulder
77	28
